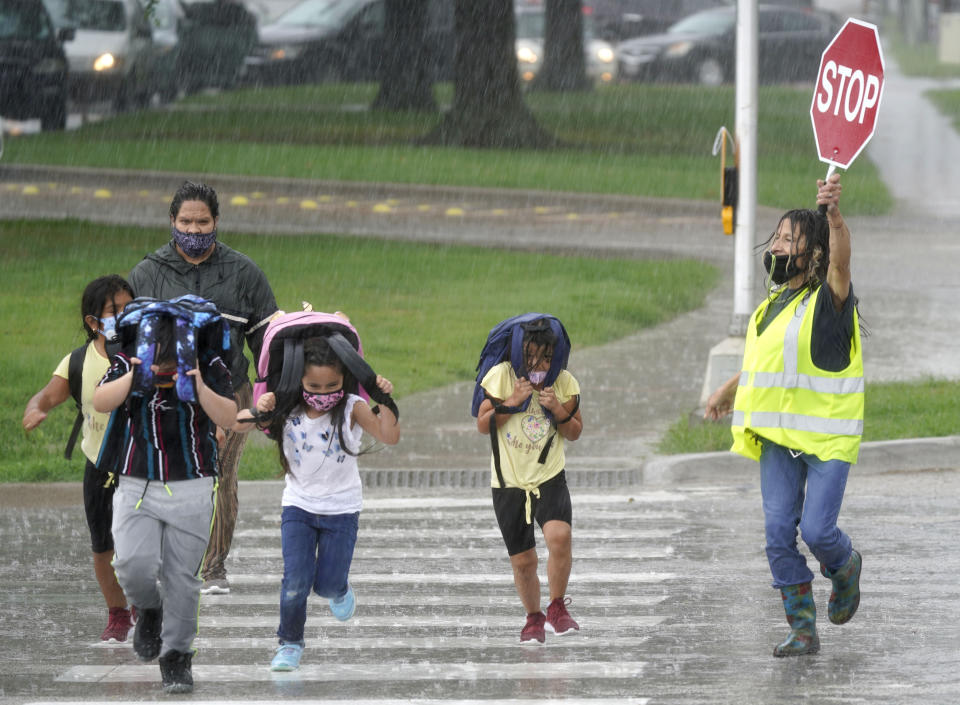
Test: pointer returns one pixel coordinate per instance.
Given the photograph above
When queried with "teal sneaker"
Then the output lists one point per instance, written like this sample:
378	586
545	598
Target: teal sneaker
344	607
287	658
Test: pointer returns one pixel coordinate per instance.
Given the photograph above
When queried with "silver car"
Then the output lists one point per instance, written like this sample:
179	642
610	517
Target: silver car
600	55
119	53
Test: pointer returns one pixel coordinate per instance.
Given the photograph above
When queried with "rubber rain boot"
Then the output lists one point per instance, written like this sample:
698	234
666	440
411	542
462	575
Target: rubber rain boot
845	597
802	617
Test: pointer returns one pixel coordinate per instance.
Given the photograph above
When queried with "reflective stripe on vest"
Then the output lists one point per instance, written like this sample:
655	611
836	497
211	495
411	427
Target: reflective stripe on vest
799	422
785	406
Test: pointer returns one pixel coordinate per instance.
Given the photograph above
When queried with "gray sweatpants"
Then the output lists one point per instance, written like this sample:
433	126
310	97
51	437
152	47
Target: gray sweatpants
164	539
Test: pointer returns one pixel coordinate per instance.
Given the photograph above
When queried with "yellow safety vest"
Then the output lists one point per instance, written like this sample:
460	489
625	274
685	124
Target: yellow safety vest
784	398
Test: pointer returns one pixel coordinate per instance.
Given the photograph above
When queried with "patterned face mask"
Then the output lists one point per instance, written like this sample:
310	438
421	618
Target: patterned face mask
323	402
109	330
193	244
537	377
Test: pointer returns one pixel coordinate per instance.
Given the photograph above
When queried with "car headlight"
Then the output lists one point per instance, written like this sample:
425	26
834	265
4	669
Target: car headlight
50	65
605	54
104	62
679	49
526	55
285	52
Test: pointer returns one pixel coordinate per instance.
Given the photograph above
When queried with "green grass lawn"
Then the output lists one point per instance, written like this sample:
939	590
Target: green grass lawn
641	140
891	410
423	311
948	102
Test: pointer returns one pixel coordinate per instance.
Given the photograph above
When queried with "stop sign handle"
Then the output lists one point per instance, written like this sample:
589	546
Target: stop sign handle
822	208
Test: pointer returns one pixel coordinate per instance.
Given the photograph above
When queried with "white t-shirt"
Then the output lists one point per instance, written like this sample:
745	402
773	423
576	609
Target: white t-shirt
323	479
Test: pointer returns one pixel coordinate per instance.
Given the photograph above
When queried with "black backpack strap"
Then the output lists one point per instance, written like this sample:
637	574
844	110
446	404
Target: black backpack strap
494	442
75	381
495	446
361	371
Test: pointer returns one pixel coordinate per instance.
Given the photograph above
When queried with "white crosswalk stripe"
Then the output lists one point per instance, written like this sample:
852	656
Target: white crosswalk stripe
436	603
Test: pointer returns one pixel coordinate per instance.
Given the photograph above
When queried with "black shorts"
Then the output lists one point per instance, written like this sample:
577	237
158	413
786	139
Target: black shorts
508	505
98	504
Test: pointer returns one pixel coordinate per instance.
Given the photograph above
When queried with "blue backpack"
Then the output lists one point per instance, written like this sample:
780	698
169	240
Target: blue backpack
505	343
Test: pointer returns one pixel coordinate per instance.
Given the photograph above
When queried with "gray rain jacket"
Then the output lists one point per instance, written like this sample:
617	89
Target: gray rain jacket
229	279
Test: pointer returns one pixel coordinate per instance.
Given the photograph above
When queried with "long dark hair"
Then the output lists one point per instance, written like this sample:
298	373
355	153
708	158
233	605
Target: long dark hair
813	227
95	297
316	352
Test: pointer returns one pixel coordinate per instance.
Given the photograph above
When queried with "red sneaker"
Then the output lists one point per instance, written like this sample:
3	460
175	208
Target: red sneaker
118	625
559	620
533	630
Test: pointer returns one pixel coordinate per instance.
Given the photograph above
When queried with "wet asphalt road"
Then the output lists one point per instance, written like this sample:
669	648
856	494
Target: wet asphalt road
669	584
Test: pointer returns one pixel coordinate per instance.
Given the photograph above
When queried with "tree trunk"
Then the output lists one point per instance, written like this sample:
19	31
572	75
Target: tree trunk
406	75
488	108
564	59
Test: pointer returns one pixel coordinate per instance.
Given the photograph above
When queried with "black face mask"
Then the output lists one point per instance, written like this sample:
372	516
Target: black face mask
784	267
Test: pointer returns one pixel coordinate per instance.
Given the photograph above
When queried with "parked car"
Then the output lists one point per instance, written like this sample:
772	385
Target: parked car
33	66
702	47
600	55
119	53
616	20
216	37
340	40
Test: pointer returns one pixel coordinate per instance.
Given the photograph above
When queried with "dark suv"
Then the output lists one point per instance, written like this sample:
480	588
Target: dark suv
33	67
341	40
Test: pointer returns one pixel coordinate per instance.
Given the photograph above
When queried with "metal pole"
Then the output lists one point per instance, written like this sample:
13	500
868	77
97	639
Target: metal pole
746	133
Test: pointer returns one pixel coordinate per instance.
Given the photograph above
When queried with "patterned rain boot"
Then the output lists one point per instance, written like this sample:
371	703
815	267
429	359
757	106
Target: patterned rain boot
845	597
802	617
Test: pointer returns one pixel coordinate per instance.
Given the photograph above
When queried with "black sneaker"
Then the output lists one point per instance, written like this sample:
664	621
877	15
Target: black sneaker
175	672
146	635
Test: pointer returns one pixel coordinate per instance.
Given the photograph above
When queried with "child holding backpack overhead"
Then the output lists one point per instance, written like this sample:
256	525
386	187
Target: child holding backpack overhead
529	404
168	388
77	376
311	365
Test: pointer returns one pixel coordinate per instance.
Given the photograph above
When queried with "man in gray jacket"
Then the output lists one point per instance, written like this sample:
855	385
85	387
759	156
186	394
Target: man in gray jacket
194	262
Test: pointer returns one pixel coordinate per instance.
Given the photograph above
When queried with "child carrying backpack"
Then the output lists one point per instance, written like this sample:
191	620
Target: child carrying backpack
77	376
311	398
168	388
529	404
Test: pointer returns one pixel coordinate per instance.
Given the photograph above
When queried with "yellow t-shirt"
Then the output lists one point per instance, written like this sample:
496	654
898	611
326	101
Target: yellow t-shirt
95	367
524	434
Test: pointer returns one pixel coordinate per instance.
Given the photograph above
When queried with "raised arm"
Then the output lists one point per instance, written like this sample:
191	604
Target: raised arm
221	410
382	426
838	273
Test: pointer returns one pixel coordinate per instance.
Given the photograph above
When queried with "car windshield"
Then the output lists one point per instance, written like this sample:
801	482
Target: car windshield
320	13
705	23
97	15
530	25
20	20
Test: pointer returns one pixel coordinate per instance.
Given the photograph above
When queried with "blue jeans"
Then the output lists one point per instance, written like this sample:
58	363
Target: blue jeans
317	551
806	492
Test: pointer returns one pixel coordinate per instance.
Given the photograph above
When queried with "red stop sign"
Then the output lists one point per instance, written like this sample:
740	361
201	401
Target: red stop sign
846	99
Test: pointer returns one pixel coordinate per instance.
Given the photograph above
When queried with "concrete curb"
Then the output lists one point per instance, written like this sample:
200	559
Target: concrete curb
876	457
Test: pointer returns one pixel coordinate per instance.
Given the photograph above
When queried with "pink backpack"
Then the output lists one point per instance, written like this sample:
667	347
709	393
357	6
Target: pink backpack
280	366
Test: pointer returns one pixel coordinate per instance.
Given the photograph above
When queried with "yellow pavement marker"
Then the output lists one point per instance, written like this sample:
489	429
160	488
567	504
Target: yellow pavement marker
102	193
